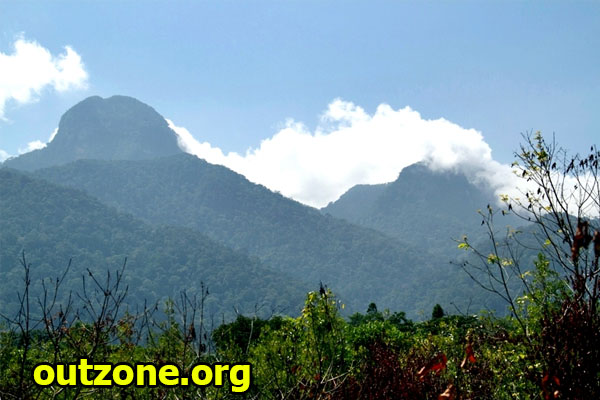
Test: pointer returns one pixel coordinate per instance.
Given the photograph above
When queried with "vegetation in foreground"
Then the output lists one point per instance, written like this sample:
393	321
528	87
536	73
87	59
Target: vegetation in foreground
320	355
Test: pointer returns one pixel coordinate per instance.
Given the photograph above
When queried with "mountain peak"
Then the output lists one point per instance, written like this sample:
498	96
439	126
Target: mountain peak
423	207
414	175
114	128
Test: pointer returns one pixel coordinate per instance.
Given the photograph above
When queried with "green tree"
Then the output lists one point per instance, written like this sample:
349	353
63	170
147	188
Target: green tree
437	312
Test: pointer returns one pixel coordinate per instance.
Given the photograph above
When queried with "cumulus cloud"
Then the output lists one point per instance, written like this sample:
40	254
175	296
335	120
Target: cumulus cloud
31	146
38	144
351	146
3	155
31	68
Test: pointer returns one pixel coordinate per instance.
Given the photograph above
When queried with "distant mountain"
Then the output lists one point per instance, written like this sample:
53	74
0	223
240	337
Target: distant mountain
116	128
422	207
52	224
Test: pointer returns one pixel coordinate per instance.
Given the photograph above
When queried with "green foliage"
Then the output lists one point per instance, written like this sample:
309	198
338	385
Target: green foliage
315	355
311	351
545	294
236	337
375	356
437	312
397	319
54	224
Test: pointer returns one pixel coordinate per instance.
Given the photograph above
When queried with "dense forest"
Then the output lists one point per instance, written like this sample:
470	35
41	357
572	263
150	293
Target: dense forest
52	225
359	263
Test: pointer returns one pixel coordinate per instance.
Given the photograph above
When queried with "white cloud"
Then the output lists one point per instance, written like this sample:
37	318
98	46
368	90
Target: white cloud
38	144
3	155
351	146
31	146
53	135
31	68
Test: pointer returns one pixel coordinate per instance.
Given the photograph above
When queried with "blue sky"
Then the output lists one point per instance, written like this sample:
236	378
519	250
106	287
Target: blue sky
233	72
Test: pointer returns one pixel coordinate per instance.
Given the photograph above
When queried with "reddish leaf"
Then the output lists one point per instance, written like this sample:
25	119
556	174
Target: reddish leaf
547	380
437	364
470	354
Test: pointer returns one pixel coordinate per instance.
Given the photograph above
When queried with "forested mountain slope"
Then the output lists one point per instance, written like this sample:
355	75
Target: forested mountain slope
361	264
53	224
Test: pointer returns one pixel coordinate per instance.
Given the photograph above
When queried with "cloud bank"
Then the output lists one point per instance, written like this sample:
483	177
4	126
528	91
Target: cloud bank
31	68
351	146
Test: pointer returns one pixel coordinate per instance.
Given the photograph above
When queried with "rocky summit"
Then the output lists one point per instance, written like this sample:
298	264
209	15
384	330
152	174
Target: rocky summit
115	128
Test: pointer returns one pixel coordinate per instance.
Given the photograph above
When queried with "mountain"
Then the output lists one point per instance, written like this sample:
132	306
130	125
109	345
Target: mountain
425	208
53	224
116	128
361	264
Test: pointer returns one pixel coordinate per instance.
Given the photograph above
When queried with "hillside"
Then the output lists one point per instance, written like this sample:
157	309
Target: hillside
186	191
53	224
362	265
